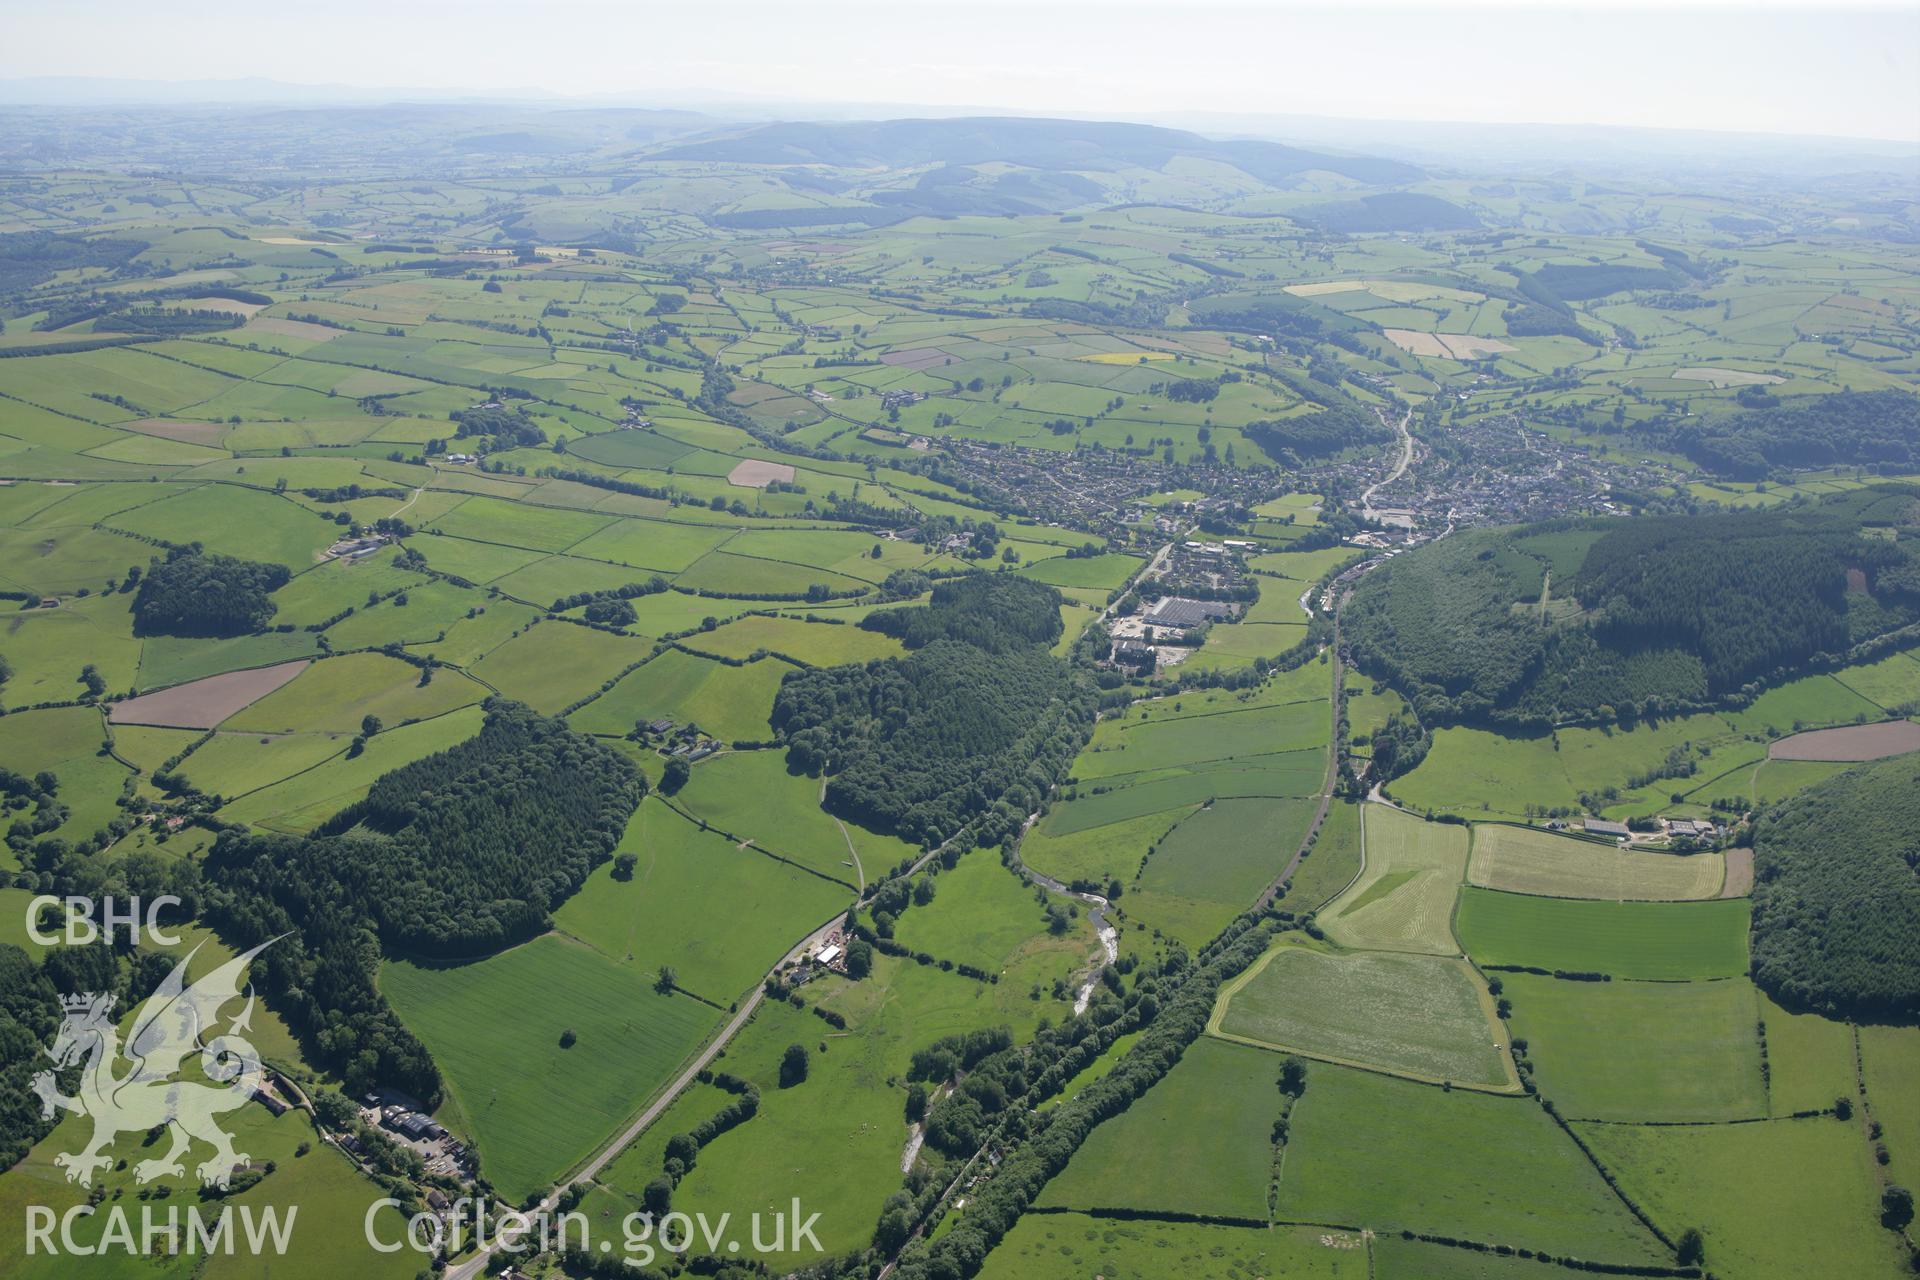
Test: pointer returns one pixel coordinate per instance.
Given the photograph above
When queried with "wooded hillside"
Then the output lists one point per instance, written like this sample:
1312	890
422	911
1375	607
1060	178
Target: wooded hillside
1642	616
455	855
1836	897
981	717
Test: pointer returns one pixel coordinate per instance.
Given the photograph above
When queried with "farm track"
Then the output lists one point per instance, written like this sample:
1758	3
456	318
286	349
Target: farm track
476	1265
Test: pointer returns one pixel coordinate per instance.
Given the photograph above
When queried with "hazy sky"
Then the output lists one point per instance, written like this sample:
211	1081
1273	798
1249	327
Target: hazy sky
1801	69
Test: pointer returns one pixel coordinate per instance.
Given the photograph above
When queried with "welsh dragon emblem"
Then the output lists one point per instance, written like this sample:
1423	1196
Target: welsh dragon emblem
176	1021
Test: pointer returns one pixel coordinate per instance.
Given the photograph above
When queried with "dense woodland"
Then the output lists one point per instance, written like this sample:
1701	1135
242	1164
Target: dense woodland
1291	441
1673	612
994	612
192	592
29	1012
455	855
1836	896
979	718
1875	429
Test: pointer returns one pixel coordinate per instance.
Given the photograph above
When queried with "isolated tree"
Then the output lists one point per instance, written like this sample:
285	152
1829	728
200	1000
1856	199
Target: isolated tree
793	1065
1896	1207
623	865
568	1039
859	959
370	725
1293	1076
1691	1249
667	980
675	777
658	1196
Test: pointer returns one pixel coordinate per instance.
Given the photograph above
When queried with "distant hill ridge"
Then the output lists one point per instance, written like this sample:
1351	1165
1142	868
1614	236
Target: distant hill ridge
1033	143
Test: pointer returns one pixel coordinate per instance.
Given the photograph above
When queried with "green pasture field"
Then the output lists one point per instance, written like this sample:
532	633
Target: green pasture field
1213	865
816	644
1810	1059
629	449
419	614
732	703
327	588
333	695
1198	1142
1056	1246
1781	1199
1422	1016
324	1196
1397	1258
1382	1153
60	561
674	611
1808	702
1654	940
518	524
1329	866
1890	1062
304	800
1112	851
752	795
1118	797
1303	566
848	552
1134	746
235	764
725	572
1893	681
1275	605
147	747
532	1107
552	578
234	521
171	660
67	741
835	1139
1473	770
551	665
1403	900
1642	1050
471	561
1233	645
1528	860
750	907
46	648
1104	572
1775	780
470	639
983	914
